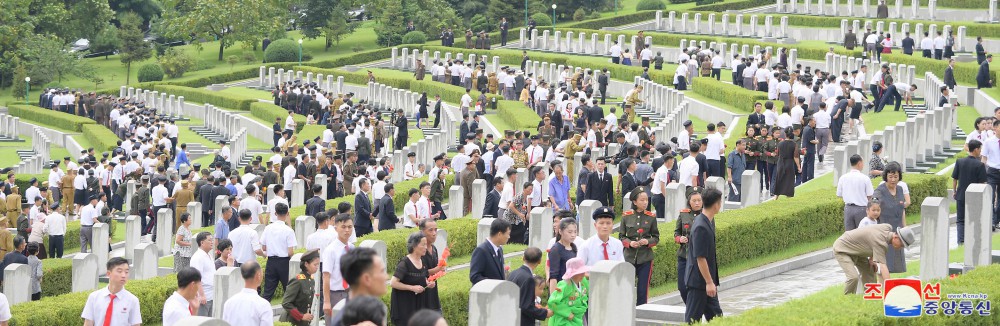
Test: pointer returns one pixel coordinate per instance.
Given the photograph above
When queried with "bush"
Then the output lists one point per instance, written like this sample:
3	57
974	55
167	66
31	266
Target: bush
268	112
197	95
175	62
739	97
678	1
542	19
579	15
49	117
650	5
415	37
283	50
719	7
150	72
599	23
65	309
57	276
101	137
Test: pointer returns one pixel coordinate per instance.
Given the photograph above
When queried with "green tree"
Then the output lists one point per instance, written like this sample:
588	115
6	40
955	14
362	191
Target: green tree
133	47
391	27
46	56
16	23
20	72
226	21
106	41
317	15
337	27
147	9
175	62
499	9
232	60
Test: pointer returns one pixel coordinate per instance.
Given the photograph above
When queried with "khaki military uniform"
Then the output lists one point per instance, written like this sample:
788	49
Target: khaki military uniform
297	300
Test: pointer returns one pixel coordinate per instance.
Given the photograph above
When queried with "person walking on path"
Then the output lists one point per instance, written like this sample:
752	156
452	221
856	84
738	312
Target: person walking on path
892	200
854	248
702	269
855	188
968	170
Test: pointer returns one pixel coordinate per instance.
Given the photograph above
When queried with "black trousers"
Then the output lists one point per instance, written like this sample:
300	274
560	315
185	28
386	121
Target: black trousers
56	246
938	54
717	73
143	213
642	274
681	278
960	221
927	53
700	304
275	272
658	203
616	60
206	219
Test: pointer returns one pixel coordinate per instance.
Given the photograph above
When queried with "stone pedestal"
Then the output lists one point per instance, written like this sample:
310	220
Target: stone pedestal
133	231
220	202
164	235
85	272
586	218
750	189
540	227
17	283
456	202
612	293
379	248
145	262
228	282
493	303
483	229
98	243
934	238
978	240
304	226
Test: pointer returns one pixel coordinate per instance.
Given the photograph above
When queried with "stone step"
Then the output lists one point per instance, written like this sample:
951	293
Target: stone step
9	139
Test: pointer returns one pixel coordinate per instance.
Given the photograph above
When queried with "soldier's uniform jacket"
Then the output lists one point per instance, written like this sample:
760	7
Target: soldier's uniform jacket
298	300
683	229
636	226
753	148
141	200
350	172
770	146
520	159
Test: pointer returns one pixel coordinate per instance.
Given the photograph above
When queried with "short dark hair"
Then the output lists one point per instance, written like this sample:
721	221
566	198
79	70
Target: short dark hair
362	309
245	214
341	218
424	317
201	237
321	217
115	262
413	241
356	262
711	196
279	209
855	159
186	276
224	244
499	226
185	217
249	270
344	207
974	144
532	255
18	241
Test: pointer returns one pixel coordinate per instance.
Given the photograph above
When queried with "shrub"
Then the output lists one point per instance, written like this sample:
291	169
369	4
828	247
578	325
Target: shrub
268	112
650	5
249	57
150	72
65	309
57	276
283	50
542	19
415	37
579	14
100	136
731	5
49	117
739	97
197	95
175	62
679	1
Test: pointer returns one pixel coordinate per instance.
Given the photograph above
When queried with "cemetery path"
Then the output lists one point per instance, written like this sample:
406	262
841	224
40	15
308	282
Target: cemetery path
793	284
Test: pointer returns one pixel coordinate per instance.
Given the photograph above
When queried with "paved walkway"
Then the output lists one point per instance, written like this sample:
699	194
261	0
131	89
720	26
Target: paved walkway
798	283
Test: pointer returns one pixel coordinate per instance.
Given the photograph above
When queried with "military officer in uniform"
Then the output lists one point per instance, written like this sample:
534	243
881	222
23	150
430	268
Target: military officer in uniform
639	235
298	298
753	150
682	232
769	148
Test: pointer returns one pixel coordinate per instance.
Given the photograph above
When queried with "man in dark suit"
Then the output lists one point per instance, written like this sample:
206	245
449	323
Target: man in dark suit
401	133
602	84
738	72
594	113
387	218
363	209
463	128
474	125
980	50
599	185
949	75
756	119
850	40
983	76
316	204
703	270
908	44
207	201
487	259
524	277
628	179
968	170
519	82
493	198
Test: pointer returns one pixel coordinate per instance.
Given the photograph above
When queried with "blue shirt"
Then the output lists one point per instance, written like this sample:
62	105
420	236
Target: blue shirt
221	229
232	190
737	162
182	157
560	191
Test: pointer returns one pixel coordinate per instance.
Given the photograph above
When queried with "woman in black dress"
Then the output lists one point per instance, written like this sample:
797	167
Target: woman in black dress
422	102
409	281
788	165
563	250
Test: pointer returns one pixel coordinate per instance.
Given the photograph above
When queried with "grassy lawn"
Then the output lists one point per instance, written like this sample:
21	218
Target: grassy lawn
248	92
206	55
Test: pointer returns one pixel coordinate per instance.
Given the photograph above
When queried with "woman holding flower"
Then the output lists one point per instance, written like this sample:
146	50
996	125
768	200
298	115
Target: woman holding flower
639	235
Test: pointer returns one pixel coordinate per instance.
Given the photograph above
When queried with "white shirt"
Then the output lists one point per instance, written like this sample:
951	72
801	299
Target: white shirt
126	308
872	38
423	206
926	44
159	194
277	238
784	120
646	54
55	224
535	154
205	265
273	202
331	263
859	80
797	114
855	188
409	213
176	308
684	140
717	62
681	70
320	239
939	43
592	251
245	243
660	178
466	100
713	150
288	176
507	195
248	308
536	193
88	215
255	208
770	117
991	149
503	164
876	78
822	119
687	169
616	50
4	308
289	123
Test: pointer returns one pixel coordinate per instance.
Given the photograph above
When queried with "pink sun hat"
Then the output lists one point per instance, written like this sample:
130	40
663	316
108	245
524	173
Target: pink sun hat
574	267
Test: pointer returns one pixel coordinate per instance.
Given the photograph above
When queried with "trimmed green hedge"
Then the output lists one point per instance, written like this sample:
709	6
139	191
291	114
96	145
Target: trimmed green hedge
49	117
832	307
197	95
461	239
100	136
724	6
611	21
57	276
268	112
727	93
972	29
65	309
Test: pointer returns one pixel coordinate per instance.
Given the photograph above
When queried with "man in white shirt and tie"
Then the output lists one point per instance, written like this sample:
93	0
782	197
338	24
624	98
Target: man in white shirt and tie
713	151
113	305
602	246
246	308
616	53
278	243
288	175
334	285
246	242
202	261
186	300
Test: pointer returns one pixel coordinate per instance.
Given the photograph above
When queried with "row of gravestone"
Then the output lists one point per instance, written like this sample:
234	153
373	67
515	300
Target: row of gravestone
744	51
579	45
270	77
908	142
935	224
169	105
834	9
836	63
674	24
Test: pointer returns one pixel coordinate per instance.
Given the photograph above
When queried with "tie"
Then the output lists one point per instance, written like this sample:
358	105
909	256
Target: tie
500	258
111	309
428	208
531	159
605	245
346	249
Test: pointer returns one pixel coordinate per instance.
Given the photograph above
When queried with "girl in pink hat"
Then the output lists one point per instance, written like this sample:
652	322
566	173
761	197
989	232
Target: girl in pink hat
568	300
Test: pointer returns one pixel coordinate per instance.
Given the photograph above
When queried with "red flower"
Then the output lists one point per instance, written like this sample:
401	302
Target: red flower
687	226
639	230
